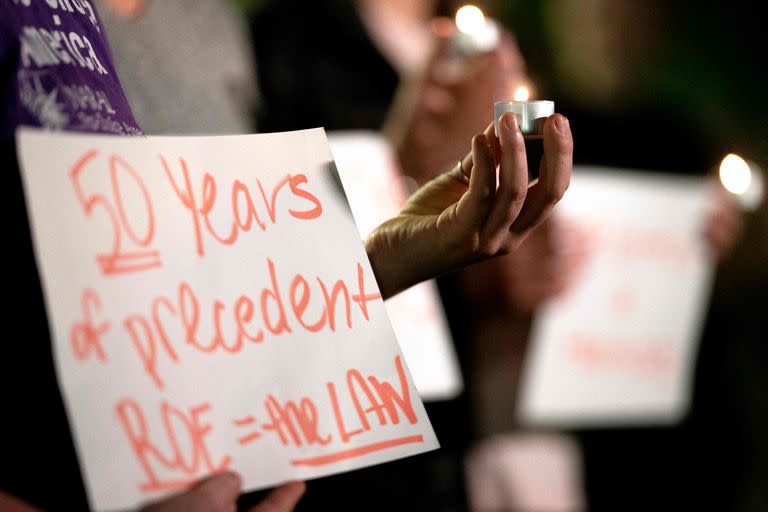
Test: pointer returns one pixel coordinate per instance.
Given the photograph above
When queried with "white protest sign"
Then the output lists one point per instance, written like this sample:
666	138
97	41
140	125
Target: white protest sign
369	173
212	307
619	346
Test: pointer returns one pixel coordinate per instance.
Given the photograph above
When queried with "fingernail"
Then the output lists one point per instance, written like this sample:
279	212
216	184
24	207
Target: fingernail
561	124
510	122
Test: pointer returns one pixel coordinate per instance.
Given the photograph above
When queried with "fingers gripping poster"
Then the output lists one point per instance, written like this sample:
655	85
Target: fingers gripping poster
212	307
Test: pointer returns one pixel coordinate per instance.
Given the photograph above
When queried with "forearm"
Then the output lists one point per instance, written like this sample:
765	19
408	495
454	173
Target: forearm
401	258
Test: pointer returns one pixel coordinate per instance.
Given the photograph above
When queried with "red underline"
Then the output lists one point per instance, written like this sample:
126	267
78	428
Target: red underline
356	452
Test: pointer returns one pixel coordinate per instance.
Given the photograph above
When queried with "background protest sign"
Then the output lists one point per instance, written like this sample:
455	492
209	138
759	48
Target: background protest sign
368	169
619	346
212	307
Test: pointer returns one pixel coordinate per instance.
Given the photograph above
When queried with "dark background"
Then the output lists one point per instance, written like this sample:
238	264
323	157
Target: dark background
688	86
661	86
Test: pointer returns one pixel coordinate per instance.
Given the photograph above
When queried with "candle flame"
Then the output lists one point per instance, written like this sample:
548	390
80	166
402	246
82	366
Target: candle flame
735	174
521	93
470	19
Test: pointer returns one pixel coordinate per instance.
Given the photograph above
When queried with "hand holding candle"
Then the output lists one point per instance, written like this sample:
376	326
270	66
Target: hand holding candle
437	113
741	192
473	212
472	36
476	33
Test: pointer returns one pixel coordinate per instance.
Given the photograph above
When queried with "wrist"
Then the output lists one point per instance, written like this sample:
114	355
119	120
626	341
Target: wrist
405	256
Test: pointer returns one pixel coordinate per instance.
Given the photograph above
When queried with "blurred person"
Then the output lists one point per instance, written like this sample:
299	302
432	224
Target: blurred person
450	96
503	298
510	297
461	217
665	66
491	305
338	76
373	65
185	68
650	88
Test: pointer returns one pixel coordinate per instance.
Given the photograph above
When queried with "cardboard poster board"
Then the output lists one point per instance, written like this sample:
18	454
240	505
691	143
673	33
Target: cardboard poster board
619	346
376	193
212	306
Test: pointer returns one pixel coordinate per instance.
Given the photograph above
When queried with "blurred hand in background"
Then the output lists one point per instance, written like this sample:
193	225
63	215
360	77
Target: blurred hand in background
545	265
456	220
725	224
439	109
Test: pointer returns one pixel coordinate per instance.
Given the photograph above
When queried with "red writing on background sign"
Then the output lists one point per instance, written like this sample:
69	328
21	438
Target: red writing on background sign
651	357
627	243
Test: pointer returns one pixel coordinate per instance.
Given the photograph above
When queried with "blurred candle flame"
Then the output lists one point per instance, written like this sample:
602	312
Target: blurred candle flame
470	19
521	93
735	174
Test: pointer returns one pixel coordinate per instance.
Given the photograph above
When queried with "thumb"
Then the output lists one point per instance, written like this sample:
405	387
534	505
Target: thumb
282	499
217	493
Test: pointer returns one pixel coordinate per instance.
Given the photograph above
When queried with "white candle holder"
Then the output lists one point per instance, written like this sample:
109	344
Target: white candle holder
530	115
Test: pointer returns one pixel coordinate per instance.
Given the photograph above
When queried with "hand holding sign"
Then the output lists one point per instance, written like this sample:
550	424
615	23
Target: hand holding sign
193	334
450	223
219	493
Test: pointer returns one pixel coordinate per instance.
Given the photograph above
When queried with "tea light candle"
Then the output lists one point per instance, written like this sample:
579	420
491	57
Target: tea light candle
530	114
530	117
475	33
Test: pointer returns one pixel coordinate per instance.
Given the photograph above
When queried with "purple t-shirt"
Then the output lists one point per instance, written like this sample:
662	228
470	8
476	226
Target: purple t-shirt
56	72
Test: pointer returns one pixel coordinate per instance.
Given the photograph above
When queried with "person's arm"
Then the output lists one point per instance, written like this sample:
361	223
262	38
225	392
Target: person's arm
449	223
